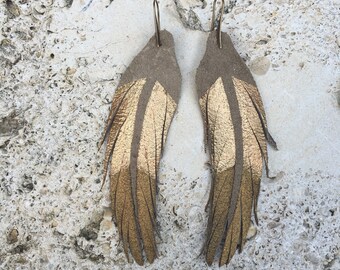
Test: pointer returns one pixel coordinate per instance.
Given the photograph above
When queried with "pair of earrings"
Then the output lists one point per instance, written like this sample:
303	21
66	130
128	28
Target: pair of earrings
235	131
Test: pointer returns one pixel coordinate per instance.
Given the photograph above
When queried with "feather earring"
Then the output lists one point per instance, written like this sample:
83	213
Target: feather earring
236	134
140	116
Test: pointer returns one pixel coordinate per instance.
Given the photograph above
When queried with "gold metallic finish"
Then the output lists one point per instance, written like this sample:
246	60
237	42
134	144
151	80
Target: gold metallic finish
118	114
256	115
157	119
118	148
253	140
253	136
254	128
136	228
221	141
220	138
219	129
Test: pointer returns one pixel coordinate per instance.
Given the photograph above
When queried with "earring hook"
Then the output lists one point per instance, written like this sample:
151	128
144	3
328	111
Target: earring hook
219	30
157	22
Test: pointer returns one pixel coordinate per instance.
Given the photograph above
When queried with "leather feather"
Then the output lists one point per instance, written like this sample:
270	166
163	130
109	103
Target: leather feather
141	112
236	133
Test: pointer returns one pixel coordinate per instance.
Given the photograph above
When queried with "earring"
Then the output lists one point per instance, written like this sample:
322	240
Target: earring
141	112
236	134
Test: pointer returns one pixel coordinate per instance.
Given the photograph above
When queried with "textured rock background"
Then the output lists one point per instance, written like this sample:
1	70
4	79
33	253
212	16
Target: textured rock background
60	62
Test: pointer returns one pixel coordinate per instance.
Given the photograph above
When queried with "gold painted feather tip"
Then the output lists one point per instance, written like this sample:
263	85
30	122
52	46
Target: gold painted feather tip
141	112
236	134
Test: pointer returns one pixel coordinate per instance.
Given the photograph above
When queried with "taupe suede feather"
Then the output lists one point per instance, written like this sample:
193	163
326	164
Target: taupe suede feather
236	134
140	116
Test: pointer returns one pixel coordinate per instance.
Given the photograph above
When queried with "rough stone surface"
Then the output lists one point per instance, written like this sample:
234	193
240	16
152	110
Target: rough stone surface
260	65
60	62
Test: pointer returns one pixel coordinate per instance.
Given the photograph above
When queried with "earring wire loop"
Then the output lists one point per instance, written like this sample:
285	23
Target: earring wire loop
219	29
157	23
